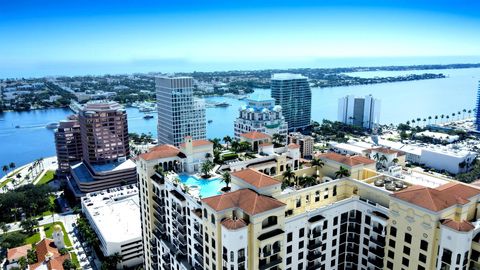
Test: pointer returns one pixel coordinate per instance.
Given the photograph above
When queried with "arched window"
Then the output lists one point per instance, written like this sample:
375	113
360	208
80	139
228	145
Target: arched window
334	191
232	258
212	218
205	215
270	221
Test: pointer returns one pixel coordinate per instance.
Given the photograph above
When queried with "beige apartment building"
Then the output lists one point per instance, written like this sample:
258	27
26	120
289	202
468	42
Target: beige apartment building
368	220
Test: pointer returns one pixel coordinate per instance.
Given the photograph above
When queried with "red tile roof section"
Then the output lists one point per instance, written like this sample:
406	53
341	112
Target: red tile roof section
293	145
255	178
437	199
160	151
246	199
255	135
234	224
347	160
18	252
197	143
461	226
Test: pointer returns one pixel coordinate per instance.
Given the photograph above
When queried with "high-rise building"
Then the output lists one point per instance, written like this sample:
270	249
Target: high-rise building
292	92
305	143
261	115
359	111
369	220
104	132
68	144
477	112
179	113
93	153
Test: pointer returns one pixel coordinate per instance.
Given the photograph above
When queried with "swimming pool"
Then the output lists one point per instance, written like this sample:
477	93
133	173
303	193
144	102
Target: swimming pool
208	187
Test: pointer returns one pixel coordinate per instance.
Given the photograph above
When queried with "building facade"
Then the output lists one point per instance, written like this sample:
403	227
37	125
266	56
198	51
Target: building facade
179	113
104	132
477	112
368	220
115	217
261	115
359	111
292	92
68	144
305	143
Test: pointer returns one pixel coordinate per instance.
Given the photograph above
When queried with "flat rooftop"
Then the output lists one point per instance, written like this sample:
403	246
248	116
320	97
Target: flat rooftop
83	174
115	212
287	76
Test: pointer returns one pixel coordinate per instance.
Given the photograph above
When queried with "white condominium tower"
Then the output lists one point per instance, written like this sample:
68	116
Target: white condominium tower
292	92
179	113
261	115
359	111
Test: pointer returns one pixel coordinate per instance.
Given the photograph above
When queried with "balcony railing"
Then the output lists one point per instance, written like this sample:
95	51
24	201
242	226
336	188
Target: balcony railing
272	263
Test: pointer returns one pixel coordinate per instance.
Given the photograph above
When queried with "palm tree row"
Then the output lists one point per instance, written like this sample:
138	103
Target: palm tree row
441	117
6	168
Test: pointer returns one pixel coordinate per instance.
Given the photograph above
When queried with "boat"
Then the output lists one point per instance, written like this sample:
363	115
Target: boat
222	104
148	116
17	126
52	125
210	121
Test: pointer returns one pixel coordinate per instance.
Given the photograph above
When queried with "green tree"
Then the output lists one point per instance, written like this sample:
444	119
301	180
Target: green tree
228	140
12	239
206	167
4	227
28	225
68	265
278	139
22	262
227	179
288	175
342	172
5	169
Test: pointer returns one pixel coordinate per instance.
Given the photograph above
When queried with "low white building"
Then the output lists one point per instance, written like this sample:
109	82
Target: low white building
443	137
448	159
114	215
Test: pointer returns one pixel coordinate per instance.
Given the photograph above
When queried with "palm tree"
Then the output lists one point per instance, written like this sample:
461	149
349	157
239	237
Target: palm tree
464	111
436	118
227	179
5	169
278	139
288	174
383	159
429	119
408	123
469	113
376	156
227	139
395	161
342	172
112	261
216	143
12	165
4	227
458	115
442	116
318	164
206	167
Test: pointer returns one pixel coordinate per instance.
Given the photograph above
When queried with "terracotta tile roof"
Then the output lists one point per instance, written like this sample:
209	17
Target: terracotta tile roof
461	226
246	199
47	246
234	224
293	145
197	143
384	150
255	178
161	151
266	144
437	199
13	254
346	160
255	135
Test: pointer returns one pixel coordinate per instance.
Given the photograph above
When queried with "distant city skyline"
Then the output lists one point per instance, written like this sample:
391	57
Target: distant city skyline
58	38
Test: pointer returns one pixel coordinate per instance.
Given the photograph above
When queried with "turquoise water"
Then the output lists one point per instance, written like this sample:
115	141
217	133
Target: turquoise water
401	101
208	187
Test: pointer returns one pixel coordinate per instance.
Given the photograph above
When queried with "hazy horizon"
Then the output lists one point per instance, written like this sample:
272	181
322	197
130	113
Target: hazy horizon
97	37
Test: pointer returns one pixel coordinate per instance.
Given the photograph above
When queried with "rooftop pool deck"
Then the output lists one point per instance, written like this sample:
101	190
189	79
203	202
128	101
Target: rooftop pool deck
207	187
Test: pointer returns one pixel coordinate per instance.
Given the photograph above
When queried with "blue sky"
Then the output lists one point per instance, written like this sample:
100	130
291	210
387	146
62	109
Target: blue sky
47	34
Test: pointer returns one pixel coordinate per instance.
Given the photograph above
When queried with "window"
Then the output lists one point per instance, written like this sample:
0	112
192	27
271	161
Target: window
390	254
301	232
422	258
289	237
393	231
408	238
424	245
300	244
317	196
335	221
406	250
232	256
289	260
300	255
298	202
334	192
325	194
212	218
405	262
289	249
270	221
391	243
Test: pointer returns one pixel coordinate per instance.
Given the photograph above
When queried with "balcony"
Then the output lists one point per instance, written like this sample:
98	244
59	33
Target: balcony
379	240
241	259
376	261
165	266
198	237
271	234
314	245
378	230
198	248
315	234
313	255
273	262
313	266
166	257
377	251
199	259
198	266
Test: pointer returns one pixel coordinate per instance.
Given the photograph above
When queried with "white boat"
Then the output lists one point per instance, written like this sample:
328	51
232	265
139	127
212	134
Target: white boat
52	125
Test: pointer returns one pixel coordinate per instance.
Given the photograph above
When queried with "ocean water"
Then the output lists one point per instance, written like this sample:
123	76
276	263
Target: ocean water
401	101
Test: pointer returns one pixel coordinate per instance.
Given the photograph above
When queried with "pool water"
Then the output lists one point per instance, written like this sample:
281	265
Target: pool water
208	187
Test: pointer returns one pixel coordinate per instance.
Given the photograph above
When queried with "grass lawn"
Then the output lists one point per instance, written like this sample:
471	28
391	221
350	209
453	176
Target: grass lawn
47	177
74	257
48	228
33	239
